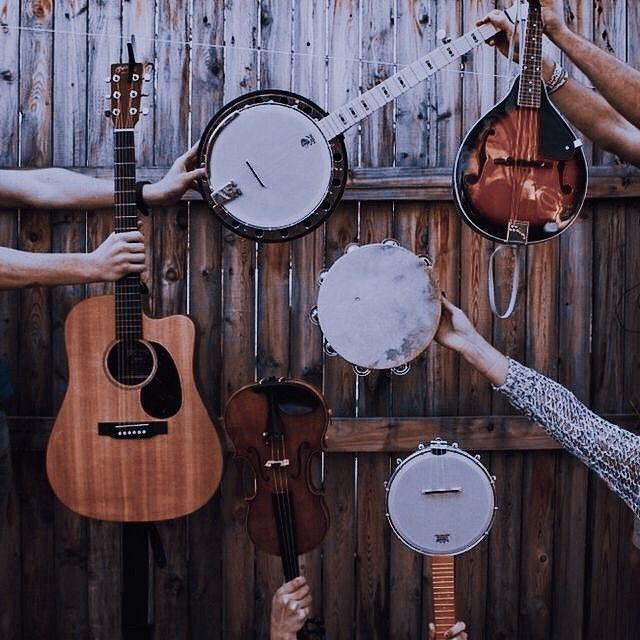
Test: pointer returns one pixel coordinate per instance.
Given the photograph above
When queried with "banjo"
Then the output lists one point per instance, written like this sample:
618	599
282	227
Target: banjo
378	307
276	162
441	502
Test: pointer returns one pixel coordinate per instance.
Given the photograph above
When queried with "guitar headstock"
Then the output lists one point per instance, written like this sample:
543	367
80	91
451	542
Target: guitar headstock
126	93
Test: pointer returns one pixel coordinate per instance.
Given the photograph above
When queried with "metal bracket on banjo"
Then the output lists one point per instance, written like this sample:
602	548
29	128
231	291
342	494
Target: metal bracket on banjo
229	192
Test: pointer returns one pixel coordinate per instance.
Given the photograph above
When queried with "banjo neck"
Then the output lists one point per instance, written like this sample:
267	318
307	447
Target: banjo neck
443	585
352	112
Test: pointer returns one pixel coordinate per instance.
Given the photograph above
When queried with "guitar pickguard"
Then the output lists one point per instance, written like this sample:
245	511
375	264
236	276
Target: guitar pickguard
161	397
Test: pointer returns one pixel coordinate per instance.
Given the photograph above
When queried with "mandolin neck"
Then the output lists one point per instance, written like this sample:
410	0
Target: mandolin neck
529	92
394	86
128	298
443	584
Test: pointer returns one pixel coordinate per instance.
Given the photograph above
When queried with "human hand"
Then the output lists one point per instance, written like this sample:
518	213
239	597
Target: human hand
457	631
181	176
553	17
455	330
118	255
290	607
505	28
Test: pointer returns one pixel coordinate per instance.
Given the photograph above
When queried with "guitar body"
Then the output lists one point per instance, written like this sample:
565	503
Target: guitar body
520	175
140	452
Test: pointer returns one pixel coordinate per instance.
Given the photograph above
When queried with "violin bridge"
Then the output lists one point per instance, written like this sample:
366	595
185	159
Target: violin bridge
277	463
518	231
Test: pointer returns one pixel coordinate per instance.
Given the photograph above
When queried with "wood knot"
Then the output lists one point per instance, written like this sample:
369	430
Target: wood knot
171	274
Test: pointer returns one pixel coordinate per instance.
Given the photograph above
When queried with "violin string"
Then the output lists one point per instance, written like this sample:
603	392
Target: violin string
232	47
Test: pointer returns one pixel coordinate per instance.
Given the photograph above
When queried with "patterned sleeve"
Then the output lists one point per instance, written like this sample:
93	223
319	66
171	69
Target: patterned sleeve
611	451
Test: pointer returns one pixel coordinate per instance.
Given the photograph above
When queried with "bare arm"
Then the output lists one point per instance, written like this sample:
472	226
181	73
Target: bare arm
55	188
586	109
118	255
618	83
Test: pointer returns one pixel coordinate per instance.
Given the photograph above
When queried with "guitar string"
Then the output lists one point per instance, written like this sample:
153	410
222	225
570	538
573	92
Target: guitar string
239	48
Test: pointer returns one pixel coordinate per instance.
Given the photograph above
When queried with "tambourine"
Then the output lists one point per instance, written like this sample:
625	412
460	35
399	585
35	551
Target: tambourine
378	307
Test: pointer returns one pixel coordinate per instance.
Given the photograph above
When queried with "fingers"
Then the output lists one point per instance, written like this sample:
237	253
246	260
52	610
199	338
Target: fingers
432	631
449	306
457	628
292	585
131	236
189	157
190	176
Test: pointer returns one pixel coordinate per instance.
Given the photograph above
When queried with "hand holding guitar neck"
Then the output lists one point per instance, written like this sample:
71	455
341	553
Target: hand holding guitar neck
457	632
290	608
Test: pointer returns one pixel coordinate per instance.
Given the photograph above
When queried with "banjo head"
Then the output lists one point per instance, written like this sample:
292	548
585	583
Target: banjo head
441	500
378	306
288	178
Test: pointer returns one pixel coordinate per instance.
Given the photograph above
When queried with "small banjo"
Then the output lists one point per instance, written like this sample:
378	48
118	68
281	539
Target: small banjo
276	163
441	502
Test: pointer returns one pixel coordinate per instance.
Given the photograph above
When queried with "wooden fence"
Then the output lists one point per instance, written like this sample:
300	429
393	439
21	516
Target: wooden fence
559	562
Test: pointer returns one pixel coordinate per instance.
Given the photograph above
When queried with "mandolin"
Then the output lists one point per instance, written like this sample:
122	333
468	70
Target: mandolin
133	440
277	427
520	175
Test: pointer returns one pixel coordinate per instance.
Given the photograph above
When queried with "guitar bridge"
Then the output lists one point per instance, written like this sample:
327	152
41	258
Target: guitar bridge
133	430
518	231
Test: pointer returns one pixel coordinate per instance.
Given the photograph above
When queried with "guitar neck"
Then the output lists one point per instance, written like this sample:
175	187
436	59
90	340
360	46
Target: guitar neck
443	584
128	298
531	69
394	86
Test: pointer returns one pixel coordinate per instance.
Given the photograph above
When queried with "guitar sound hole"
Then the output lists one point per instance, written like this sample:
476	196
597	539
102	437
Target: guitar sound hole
131	362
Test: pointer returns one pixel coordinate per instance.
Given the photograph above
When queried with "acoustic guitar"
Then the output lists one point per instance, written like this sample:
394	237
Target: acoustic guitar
520	175
133	440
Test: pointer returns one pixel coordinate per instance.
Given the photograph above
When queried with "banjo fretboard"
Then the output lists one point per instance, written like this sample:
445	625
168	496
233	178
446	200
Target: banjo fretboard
394	86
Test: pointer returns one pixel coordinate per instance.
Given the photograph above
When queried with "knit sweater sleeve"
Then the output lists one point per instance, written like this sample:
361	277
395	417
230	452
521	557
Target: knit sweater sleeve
609	450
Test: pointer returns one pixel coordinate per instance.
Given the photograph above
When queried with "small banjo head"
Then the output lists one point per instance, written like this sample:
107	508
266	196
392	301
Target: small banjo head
441	500
271	173
378	307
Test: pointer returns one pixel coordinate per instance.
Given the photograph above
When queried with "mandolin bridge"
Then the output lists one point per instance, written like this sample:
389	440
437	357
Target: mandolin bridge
133	430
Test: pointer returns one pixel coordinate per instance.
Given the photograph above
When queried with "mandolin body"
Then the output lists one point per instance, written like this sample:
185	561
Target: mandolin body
520	174
141	453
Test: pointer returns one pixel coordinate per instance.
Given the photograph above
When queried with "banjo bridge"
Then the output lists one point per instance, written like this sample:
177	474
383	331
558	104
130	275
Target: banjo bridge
426	492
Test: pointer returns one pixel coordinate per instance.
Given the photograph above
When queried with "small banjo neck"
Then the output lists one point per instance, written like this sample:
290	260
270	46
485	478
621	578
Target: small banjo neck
394	86
443	585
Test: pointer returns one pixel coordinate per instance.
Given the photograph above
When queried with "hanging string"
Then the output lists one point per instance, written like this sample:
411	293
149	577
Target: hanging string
233	48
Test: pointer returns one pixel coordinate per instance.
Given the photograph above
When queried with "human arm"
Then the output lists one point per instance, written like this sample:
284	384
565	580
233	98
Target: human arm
457	632
612	452
118	255
56	188
290	608
586	109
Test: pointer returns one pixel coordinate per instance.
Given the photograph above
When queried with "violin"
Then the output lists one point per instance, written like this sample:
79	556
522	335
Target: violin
520	175
278	427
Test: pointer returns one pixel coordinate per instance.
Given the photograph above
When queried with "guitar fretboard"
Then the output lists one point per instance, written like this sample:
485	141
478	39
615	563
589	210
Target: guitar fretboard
530	75
444	601
394	86
128	299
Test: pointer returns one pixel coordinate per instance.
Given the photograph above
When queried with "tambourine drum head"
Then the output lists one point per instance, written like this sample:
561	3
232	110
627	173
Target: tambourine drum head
278	158
438	506
378	306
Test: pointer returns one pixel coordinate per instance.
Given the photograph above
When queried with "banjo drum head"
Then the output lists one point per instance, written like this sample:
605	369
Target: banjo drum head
440	503
290	177
378	306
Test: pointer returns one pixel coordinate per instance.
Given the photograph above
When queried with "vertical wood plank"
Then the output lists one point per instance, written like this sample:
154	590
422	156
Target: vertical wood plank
238	261
339	549
206	525
574	345
607	380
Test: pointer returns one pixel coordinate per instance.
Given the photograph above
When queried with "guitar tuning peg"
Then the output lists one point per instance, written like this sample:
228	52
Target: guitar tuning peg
145	111
107	79
107	113
107	96
147	77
